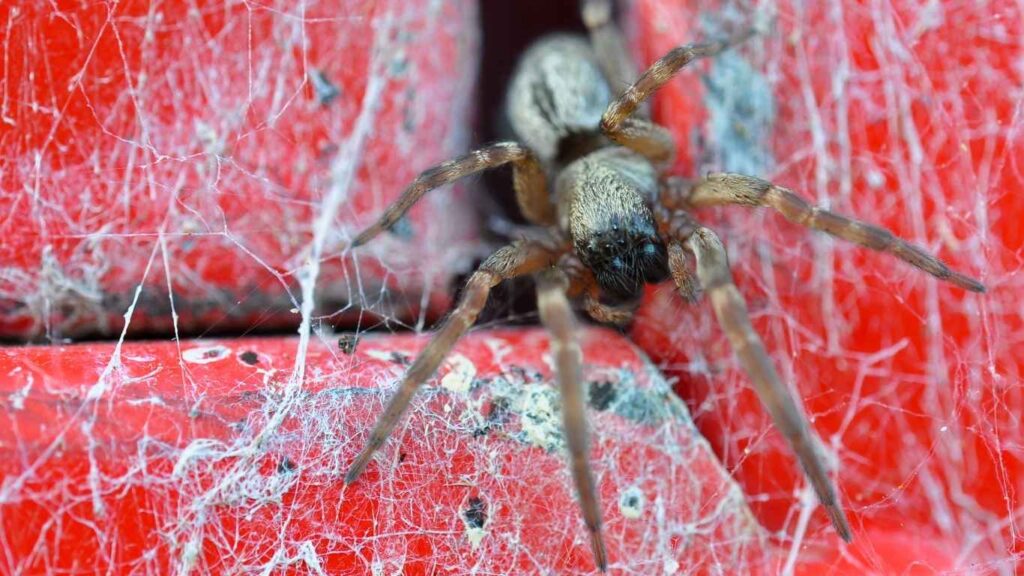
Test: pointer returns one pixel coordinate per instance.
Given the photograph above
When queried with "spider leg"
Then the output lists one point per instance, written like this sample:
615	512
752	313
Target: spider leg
675	226
613	120
528	177
683	275
751	191
606	314
731	311
644	137
608	43
557	317
582	283
516	259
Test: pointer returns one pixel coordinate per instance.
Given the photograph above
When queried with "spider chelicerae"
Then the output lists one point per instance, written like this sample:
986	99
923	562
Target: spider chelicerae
612	224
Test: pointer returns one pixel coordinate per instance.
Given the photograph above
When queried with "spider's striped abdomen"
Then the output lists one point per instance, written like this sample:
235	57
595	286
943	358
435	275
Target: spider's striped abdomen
557	96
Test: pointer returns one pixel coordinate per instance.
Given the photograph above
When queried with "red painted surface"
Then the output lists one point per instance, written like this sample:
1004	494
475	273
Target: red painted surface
184	147
914	385
212	456
187	147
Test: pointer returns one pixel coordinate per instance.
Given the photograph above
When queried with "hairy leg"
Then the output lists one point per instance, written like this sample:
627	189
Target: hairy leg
657	75
674	227
582	284
513	260
643	136
750	191
731	311
608	43
557	316
684	277
528	177
646	138
620	315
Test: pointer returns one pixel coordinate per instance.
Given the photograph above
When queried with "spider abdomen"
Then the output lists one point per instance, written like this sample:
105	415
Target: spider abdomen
557	95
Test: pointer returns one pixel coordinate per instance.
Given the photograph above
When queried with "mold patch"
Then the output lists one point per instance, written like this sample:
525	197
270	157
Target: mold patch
347	343
205	354
460	375
474	517
632	502
601	395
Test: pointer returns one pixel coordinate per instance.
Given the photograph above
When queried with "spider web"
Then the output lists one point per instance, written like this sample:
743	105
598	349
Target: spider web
902	113
197	169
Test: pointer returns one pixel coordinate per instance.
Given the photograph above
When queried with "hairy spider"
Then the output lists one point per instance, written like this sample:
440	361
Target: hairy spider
613	225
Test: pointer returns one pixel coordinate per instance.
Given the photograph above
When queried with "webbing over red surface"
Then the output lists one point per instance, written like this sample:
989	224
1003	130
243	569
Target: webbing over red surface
189	148
906	114
207	457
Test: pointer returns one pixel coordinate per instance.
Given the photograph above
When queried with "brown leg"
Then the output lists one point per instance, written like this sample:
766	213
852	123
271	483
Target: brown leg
608	43
675	226
731	311
582	284
646	138
557	316
683	275
750	191
605	314
513	260
528	177
657	75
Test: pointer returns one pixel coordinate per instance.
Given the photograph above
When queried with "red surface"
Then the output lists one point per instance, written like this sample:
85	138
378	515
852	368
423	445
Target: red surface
212	456
914	385
182	147
155	147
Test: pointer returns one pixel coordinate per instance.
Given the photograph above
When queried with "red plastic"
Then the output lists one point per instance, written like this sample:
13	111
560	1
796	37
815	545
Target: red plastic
178	149
190	149
217	456
904	114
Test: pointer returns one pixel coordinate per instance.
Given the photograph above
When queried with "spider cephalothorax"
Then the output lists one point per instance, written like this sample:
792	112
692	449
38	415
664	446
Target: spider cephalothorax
616	225
606	209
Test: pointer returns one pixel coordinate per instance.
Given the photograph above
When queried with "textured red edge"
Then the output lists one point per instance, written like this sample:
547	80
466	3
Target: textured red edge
210	457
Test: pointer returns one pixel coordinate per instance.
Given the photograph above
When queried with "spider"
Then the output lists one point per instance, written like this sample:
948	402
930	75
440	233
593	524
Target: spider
614	223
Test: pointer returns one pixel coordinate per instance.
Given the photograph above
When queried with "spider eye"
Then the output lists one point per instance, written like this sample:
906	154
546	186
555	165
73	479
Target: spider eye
649	249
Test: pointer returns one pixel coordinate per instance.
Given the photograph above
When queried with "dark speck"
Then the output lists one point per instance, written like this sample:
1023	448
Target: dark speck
402	228
286	466
475	513
326	151
249	357
348	342
400	359
497	411
497	414
602	394
325	90
518	373
213	353
399	66
408	112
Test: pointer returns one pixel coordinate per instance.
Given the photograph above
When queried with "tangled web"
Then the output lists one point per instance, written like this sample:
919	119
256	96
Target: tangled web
195	170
